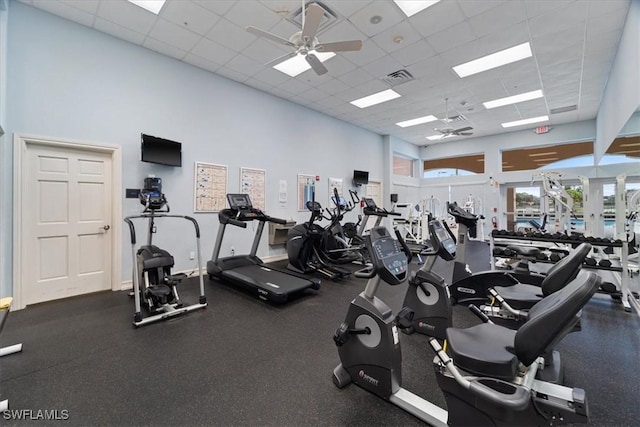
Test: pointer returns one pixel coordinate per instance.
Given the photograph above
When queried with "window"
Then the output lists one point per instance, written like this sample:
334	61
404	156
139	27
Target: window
540	157
403	166
452	166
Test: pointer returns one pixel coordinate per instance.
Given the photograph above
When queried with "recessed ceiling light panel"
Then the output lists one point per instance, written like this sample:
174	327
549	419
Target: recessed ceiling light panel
411	7
417	121
298	64
376	98
153	6
528	96
525	121
494	60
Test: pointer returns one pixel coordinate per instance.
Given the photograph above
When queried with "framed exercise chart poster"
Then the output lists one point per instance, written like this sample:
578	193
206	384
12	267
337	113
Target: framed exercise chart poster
253	183
210	192
306	190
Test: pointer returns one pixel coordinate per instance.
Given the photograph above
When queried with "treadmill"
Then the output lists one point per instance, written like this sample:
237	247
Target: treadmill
248	271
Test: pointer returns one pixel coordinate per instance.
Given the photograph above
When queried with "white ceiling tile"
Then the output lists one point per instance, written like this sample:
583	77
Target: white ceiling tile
557	19
230	35
496	19
219	7
231	74
339	65
90	6
416	52
605	23
170	33
348	96
245	13
508	37
369	53
388	40
391	15
295	85
356	77
537	7
271	76
343	30
437	18
189	15
118	31
164	48
200	62
372	86
600	8
65	11
213	51
330	101
313	95
553	43
332	86
244	65
452	37
346	8
264	51
476	7
562	54
258	84
127	15
383	66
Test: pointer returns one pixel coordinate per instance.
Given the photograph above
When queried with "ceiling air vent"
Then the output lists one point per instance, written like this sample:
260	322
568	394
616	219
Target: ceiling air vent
397	78
563	109
457	118
330	17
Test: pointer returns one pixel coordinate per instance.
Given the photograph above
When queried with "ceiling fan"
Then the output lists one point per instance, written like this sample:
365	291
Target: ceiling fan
305	42
449	131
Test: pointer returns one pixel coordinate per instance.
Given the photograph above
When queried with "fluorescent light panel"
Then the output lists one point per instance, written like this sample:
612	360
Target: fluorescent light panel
376	98
298	64
525	121
153	6
513	99
411	7
434	137
417	121
494	60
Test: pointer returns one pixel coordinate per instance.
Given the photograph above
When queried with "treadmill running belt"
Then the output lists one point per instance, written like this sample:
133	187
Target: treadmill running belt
270	284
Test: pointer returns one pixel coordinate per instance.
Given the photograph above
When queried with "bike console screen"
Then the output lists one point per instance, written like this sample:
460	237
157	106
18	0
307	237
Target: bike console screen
442	240
239	202
389	259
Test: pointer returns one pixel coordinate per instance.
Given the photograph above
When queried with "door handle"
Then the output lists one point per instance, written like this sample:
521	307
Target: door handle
106	227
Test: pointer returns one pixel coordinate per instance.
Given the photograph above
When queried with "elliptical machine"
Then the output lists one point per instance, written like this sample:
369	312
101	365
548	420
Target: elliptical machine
153	282
493	381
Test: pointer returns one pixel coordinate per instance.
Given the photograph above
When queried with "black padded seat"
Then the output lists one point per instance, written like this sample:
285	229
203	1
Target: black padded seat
522	296
495	351
484	349
525	251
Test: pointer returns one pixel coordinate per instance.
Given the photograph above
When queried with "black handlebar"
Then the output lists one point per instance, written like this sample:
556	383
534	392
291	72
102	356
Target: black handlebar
405	248
237	223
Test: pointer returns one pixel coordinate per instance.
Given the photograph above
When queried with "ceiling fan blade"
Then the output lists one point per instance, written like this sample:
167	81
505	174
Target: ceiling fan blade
463	129
311	22
315	63
280	59
344	46
465	133
261	33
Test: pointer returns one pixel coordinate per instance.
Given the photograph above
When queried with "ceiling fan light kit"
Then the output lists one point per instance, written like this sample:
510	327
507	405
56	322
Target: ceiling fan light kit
305	43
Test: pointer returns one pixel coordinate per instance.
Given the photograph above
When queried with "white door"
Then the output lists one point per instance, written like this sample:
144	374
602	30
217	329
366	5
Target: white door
66	223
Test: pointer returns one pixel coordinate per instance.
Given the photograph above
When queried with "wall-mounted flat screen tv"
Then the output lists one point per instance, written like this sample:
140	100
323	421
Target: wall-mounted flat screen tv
360	177
161	151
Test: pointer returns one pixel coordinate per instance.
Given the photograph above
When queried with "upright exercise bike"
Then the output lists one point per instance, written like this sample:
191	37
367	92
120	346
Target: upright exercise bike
153	283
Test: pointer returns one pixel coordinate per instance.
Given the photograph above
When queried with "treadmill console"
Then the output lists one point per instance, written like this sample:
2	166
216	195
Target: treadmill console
442	240
388	257
239	202
462	216
314	206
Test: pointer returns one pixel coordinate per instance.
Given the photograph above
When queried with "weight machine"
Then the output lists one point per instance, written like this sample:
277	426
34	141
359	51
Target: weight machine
626	234
554	190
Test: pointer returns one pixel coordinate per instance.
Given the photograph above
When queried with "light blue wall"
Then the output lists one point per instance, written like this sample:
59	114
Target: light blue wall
69	81
622	94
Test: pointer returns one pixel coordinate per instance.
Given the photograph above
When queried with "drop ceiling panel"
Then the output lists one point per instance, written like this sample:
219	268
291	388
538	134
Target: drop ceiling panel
174	35
390	13
230	35
571	67
127	15
118	31
189	15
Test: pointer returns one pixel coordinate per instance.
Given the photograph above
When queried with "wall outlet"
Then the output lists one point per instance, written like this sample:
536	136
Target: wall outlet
192	255
233	250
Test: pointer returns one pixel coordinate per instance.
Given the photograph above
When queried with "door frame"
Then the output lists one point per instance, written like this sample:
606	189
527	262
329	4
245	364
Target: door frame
20	145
